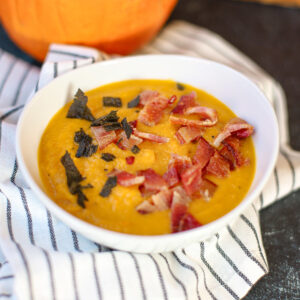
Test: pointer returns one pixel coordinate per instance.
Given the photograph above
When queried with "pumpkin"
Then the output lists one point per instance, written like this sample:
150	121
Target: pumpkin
113	26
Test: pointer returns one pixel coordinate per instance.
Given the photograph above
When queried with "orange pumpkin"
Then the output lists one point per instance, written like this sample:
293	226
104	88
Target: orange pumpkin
114	26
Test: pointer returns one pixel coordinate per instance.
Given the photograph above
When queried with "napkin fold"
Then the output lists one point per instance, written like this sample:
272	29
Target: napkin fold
42	258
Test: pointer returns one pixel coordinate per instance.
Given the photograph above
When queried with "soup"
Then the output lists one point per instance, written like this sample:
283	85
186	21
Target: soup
147	157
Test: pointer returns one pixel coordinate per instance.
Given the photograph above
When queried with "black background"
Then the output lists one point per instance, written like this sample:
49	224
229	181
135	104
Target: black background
270	35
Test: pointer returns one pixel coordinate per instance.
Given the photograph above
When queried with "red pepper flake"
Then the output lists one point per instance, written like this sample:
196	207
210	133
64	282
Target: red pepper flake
130	160
172	99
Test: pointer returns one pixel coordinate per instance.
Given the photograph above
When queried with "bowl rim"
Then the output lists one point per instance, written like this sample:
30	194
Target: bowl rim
106	233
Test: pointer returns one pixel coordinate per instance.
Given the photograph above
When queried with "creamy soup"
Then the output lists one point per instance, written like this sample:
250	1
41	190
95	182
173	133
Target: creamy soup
118	210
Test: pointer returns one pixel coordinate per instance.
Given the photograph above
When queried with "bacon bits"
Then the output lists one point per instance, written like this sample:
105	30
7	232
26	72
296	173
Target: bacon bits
185	102
186	135
191	123
103	137
124	143
236	127
192	179
218	166
151	137
153	110
126	179
209	114
146	96
172	99
146	207
203	153
129	160
153	182
207	189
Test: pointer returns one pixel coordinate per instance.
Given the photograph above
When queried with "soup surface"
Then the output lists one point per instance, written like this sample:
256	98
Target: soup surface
118	210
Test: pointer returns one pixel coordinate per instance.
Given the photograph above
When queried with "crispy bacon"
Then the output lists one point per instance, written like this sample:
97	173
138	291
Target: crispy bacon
146	96
103	137
192	179
151	137
231	151
126	179
171	176
204	112
185	102
178	208
185	135
153	182
207	189
236	127
124	143
191	123
158	202
218	166
163	199
153	110
188	222
146	207
203	153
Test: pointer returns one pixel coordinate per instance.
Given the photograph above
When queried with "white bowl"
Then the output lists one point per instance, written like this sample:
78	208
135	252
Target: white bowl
227	85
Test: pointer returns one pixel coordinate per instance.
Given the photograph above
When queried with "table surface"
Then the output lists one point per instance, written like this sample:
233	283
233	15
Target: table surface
269	35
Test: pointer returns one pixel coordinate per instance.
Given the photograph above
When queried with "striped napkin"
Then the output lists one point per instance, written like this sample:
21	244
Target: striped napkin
44	259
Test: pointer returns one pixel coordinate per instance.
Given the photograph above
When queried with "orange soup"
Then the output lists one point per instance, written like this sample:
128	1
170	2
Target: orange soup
155	125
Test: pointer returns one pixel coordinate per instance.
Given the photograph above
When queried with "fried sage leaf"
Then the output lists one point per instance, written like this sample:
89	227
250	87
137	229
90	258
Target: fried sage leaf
112	126
112	101
109	118
127	128
86	147
110	183
134	103
135	149
79	109
73	179
107	157
180	86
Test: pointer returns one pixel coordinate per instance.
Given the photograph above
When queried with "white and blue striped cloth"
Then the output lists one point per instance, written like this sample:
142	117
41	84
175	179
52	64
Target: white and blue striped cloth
43	259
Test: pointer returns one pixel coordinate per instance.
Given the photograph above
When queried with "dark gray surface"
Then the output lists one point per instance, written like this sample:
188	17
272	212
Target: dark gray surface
270	36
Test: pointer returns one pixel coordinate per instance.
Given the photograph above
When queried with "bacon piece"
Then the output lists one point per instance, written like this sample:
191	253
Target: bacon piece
130	160
188	222
237	127
146	96
126	179
124	143
218	166
185	135
146	207
185	102
178	208
204	112
231	152
207	189
103	137
191	123
153	110
203	153
176	166
163	199
192	179
153	182
151	137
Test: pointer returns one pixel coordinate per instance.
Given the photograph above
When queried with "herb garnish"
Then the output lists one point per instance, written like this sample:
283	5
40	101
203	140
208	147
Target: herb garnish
109	118
127	128
110	183
86	148
73	179
135	149
107	157
112	101
79	109
112	126
134	103
180	86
